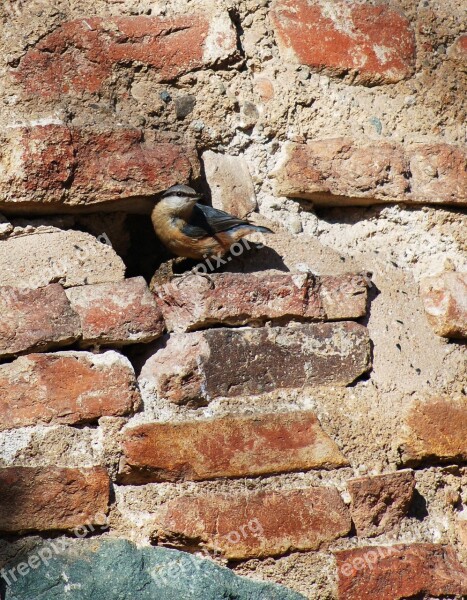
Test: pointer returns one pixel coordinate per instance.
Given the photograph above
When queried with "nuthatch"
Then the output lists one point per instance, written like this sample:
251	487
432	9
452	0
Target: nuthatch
195	230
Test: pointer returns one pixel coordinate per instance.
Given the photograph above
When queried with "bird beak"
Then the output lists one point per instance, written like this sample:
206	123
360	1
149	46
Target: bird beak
198	197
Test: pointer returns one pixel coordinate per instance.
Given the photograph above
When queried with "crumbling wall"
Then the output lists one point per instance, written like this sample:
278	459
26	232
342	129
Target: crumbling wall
300	416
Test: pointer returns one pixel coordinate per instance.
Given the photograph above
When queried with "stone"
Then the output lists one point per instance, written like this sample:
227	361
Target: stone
434	431
255	524
35	320
380	503
117	314
230	183
227	447
458	51
193	368
66	387
343	172
52	498
53	168
400	572
184	105
80	56
42	255
374	44
86	569
193	302
444	298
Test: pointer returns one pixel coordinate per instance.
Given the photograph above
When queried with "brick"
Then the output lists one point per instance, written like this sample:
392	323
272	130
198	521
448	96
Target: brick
190	303
374	44
227	447
379	503
37	256
49	165
435	431
341	171
193	368
399	572
80	56
117	314
52	498
66	387
255	524
35	320
230	183
458	51
444	298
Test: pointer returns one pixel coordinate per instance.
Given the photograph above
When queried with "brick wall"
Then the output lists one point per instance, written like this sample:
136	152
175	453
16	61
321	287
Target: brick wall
301	415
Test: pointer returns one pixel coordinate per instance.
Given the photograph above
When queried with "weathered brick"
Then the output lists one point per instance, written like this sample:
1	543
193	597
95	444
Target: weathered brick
79	56
401	571
37	256
458	51
230	183
117	314
227	447
435	431
190	303
52	498
444	297
66	387
35	320
192	368
340	171
375	44
50	165
255	524
379	503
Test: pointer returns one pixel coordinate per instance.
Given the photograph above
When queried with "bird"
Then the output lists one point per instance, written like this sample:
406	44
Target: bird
197	231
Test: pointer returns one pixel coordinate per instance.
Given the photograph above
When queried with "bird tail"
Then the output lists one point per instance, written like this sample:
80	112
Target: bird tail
261	229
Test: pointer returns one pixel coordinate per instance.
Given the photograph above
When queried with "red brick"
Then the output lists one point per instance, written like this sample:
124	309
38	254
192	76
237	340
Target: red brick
380	503
77	167
341	171
227	447
35	320
255	524
193	368
458	51
80	56
399	572
52	498
444	297
375	44
435	431
66	387
191	303
116	314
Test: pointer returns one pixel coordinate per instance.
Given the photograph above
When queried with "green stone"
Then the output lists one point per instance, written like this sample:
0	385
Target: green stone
119	570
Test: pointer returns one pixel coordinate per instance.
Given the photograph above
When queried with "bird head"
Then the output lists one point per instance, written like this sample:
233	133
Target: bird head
180	197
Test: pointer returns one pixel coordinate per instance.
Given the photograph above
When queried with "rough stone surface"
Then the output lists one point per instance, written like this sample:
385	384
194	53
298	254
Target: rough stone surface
50	498
435	431
87	570
193	368
376	44
117	314
64	62
66	387
193	302
230	182
380	503
229	447
399	572
445	301
255	524
36	256
35	320
50	168
340	171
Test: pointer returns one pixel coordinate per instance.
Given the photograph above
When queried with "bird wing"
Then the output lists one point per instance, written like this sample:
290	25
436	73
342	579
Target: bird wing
207	221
